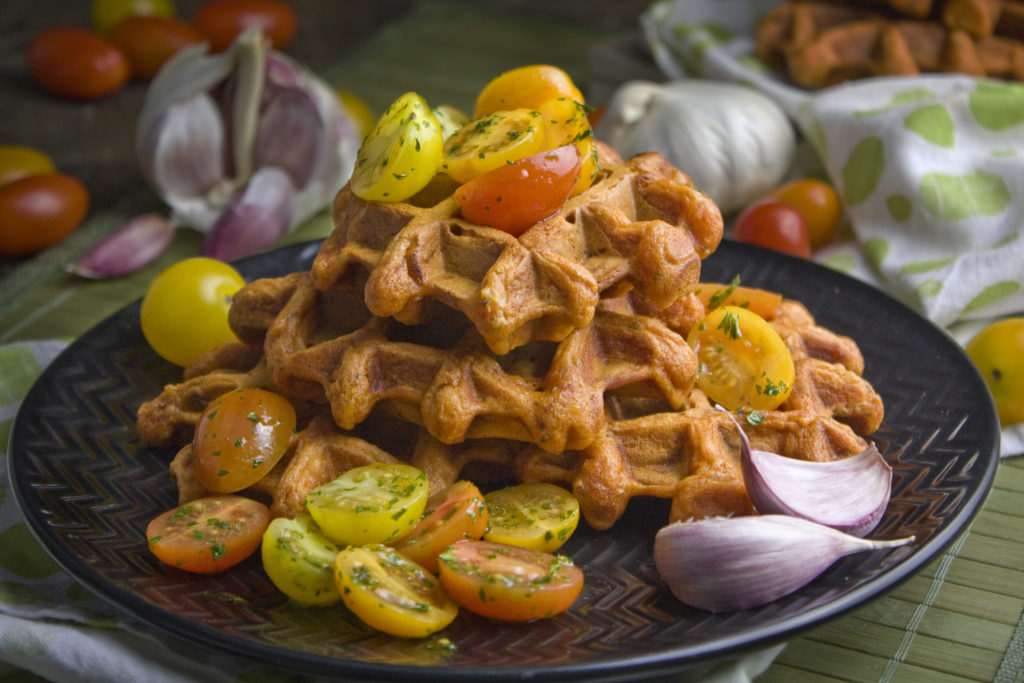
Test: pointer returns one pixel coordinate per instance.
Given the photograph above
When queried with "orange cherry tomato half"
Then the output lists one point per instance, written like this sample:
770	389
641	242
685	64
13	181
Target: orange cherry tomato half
148	42
240	437
222	20
76	64
774	224
208	535
456	513
515	196
760	301
525	87
818	203
39	211
507	582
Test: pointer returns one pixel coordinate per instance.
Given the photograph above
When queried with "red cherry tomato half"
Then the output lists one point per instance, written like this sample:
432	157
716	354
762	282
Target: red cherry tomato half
208	535
456	513
507	582
774	224
76	64
515	196
222	20
148	42
38	211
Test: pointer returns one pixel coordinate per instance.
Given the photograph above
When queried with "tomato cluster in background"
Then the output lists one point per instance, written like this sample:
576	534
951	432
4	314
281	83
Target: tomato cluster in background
133	38
797	218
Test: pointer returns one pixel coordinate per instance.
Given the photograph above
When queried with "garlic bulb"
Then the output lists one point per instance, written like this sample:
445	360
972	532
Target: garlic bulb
211	122
730	564
734	143
849	495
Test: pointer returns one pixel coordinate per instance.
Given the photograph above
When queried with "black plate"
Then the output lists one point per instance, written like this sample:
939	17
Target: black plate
88	487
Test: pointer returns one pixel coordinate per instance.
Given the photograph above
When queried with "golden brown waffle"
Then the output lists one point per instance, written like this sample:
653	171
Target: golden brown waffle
642	224
824	43
544	393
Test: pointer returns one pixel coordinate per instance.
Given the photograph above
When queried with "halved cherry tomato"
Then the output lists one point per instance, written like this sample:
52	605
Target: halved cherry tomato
18	161
370	504
760	301
208	535
453	514
565	122
38	211
509	583
774	224
743	361
492	141
401	154
148	42
998	351
106	14
221	21
450	119
535	516
299	560
240	437
185	309
76	64
515	196
818	203
392	593
527	87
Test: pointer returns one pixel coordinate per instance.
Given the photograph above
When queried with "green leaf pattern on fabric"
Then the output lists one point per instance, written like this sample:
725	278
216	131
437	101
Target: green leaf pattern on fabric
933	123
956	198
863	170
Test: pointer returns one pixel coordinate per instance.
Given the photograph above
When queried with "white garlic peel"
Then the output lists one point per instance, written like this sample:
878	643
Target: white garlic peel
849	494
734	143
731	564
211	121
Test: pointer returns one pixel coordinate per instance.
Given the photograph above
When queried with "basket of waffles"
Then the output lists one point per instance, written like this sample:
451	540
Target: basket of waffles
557	356
822	43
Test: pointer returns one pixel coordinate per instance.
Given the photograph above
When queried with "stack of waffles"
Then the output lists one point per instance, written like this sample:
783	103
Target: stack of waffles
559	356
823	43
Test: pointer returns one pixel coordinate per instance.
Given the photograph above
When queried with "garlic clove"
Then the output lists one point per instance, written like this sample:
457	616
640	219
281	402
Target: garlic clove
290	134
849	495
127	249
260	217
732	564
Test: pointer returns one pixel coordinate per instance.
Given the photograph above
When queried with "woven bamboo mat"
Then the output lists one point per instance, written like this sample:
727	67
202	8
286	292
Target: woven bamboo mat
959	619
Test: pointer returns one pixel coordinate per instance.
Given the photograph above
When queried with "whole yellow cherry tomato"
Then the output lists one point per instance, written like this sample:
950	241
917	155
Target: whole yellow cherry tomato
18	161
185	309
998	351
106	14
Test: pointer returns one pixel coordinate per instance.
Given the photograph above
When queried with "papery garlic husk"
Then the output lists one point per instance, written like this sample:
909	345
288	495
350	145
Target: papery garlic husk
211	121
849	495
130	247
259	218
728	564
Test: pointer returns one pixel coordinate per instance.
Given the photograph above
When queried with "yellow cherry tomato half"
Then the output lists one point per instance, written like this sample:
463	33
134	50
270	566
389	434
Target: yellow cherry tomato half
208	535
525	87
509	583
818	203
299	560
566	122
998	351
401	154
392	593
18	161
374	503
743	362
535	516
185	309
450	119
240	437
451	515
492	141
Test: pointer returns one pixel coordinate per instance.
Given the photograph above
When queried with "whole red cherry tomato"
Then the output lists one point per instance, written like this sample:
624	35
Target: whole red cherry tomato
76	64
515	196
774	224
222	20
38	211
148	42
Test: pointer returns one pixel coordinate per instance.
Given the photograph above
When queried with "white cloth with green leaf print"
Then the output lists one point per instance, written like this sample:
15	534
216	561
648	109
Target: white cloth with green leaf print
930	168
